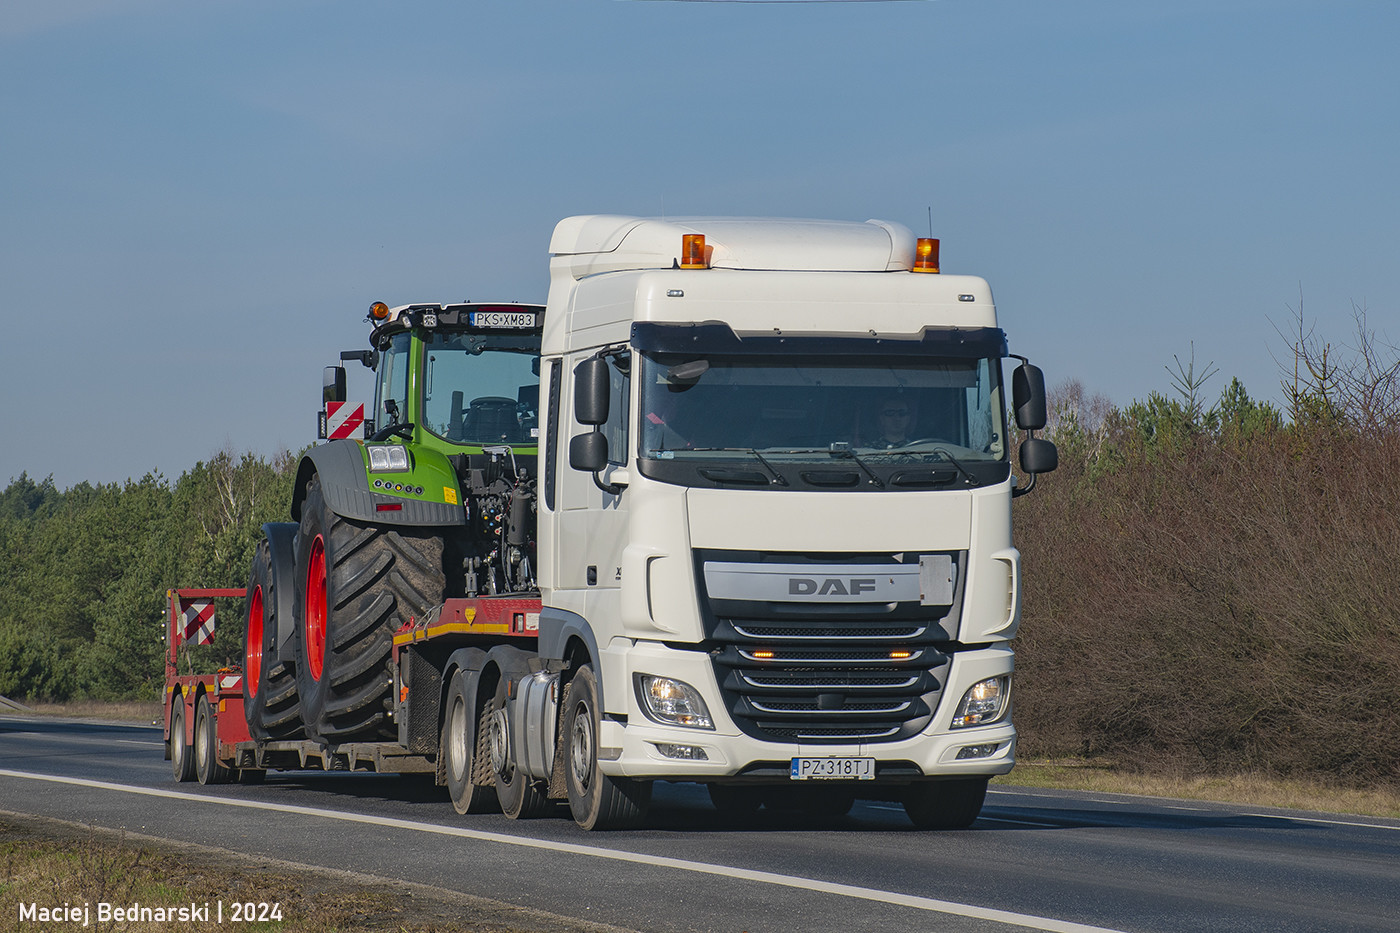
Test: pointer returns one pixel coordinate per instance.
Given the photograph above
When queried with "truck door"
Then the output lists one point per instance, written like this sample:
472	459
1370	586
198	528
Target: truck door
592	522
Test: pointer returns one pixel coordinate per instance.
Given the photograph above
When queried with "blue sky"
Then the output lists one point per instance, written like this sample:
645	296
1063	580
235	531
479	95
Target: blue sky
198	201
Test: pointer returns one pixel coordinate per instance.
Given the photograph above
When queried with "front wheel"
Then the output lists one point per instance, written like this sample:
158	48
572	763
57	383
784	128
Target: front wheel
597	800
207	766
945	804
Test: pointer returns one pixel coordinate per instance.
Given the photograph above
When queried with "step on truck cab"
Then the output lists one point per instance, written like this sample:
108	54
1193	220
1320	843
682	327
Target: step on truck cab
775	517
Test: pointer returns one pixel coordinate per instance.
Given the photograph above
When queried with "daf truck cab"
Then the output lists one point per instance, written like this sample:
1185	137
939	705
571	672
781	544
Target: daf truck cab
775	548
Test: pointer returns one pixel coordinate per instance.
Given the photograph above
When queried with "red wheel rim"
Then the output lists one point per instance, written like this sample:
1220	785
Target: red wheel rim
253	649
316	609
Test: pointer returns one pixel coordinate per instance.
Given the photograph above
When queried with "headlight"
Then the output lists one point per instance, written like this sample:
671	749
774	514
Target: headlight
391	459
984	704
672	702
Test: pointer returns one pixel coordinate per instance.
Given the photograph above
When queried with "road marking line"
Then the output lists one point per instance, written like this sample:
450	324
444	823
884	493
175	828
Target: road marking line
1307	819
996	819
1266	816
725	871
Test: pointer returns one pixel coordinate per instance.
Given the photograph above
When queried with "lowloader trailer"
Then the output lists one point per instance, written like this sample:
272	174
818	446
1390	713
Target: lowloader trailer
733	507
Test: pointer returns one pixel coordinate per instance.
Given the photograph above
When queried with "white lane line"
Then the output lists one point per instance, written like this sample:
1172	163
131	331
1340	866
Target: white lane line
996	819
725	871
1266	816
1306	819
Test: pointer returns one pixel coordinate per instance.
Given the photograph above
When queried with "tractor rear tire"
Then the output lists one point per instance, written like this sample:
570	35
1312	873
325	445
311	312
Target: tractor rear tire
271	703
356	584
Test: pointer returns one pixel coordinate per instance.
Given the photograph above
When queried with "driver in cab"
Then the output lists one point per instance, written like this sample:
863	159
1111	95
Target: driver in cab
894	420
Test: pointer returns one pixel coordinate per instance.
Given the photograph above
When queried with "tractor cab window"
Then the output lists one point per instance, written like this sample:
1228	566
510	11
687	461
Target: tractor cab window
391	390
482	389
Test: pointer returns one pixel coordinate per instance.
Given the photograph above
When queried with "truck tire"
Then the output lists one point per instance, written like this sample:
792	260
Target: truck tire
181	759
596	800
945	804
207	766
271	704
464	751
520	797
355	585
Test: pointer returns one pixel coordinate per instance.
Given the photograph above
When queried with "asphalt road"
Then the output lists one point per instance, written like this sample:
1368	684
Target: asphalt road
1037	859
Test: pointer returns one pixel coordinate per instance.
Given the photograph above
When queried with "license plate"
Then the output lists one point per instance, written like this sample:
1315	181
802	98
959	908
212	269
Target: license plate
502	319
833	769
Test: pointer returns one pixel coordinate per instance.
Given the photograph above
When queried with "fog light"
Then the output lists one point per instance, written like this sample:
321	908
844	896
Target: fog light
686	752
976	751
984	704
672	702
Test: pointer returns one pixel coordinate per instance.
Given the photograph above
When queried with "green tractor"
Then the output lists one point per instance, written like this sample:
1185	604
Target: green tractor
436	501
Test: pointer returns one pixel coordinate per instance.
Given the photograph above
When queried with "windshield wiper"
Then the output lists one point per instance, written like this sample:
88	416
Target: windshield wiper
776	477
838	449
967	474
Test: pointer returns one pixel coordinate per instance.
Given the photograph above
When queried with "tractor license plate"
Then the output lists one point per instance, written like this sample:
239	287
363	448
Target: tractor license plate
833	769
524	319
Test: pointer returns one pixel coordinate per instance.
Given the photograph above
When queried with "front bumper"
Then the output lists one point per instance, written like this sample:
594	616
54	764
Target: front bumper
634	748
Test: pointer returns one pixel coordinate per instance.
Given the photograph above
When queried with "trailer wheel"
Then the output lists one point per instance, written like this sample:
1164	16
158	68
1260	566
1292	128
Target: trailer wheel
207	766
596	800
181	759
519	796
270	700
356	584
462	748
945	804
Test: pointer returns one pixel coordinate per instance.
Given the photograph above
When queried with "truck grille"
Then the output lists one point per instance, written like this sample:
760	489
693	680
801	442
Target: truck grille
815	673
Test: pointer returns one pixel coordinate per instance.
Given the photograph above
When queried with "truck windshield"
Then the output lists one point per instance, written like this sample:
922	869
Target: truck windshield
482	389
805	409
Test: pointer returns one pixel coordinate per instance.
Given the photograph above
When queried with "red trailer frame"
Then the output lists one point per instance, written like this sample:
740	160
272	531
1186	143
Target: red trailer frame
224	688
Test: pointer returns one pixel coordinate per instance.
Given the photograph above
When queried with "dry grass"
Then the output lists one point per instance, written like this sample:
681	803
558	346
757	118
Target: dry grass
51	863
1254	790
143	712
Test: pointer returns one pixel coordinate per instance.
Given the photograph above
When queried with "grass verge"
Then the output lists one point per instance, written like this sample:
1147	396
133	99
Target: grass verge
1255	790
52	864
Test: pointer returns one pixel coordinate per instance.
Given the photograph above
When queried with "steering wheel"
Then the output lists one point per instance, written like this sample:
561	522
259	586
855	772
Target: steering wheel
404	431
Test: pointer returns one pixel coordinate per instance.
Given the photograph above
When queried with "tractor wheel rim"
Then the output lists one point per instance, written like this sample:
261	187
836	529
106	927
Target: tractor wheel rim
316	608
253	650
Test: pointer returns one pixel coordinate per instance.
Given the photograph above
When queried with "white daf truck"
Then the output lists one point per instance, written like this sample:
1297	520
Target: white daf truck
774	521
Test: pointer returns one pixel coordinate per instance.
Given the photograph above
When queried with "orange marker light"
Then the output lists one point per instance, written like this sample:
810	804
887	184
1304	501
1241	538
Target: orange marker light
763	655
926	255
693	251
379	310
901	655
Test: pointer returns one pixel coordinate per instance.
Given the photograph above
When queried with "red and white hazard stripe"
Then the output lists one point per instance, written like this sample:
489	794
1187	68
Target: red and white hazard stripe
343	419
197	621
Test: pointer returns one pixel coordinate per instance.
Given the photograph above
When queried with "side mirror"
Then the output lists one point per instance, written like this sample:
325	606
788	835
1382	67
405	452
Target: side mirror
1038	456
589	452
333	385
367	358
1028	397
591	392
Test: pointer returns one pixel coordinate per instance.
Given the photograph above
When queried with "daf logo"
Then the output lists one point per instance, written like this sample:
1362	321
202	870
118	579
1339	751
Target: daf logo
830	586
